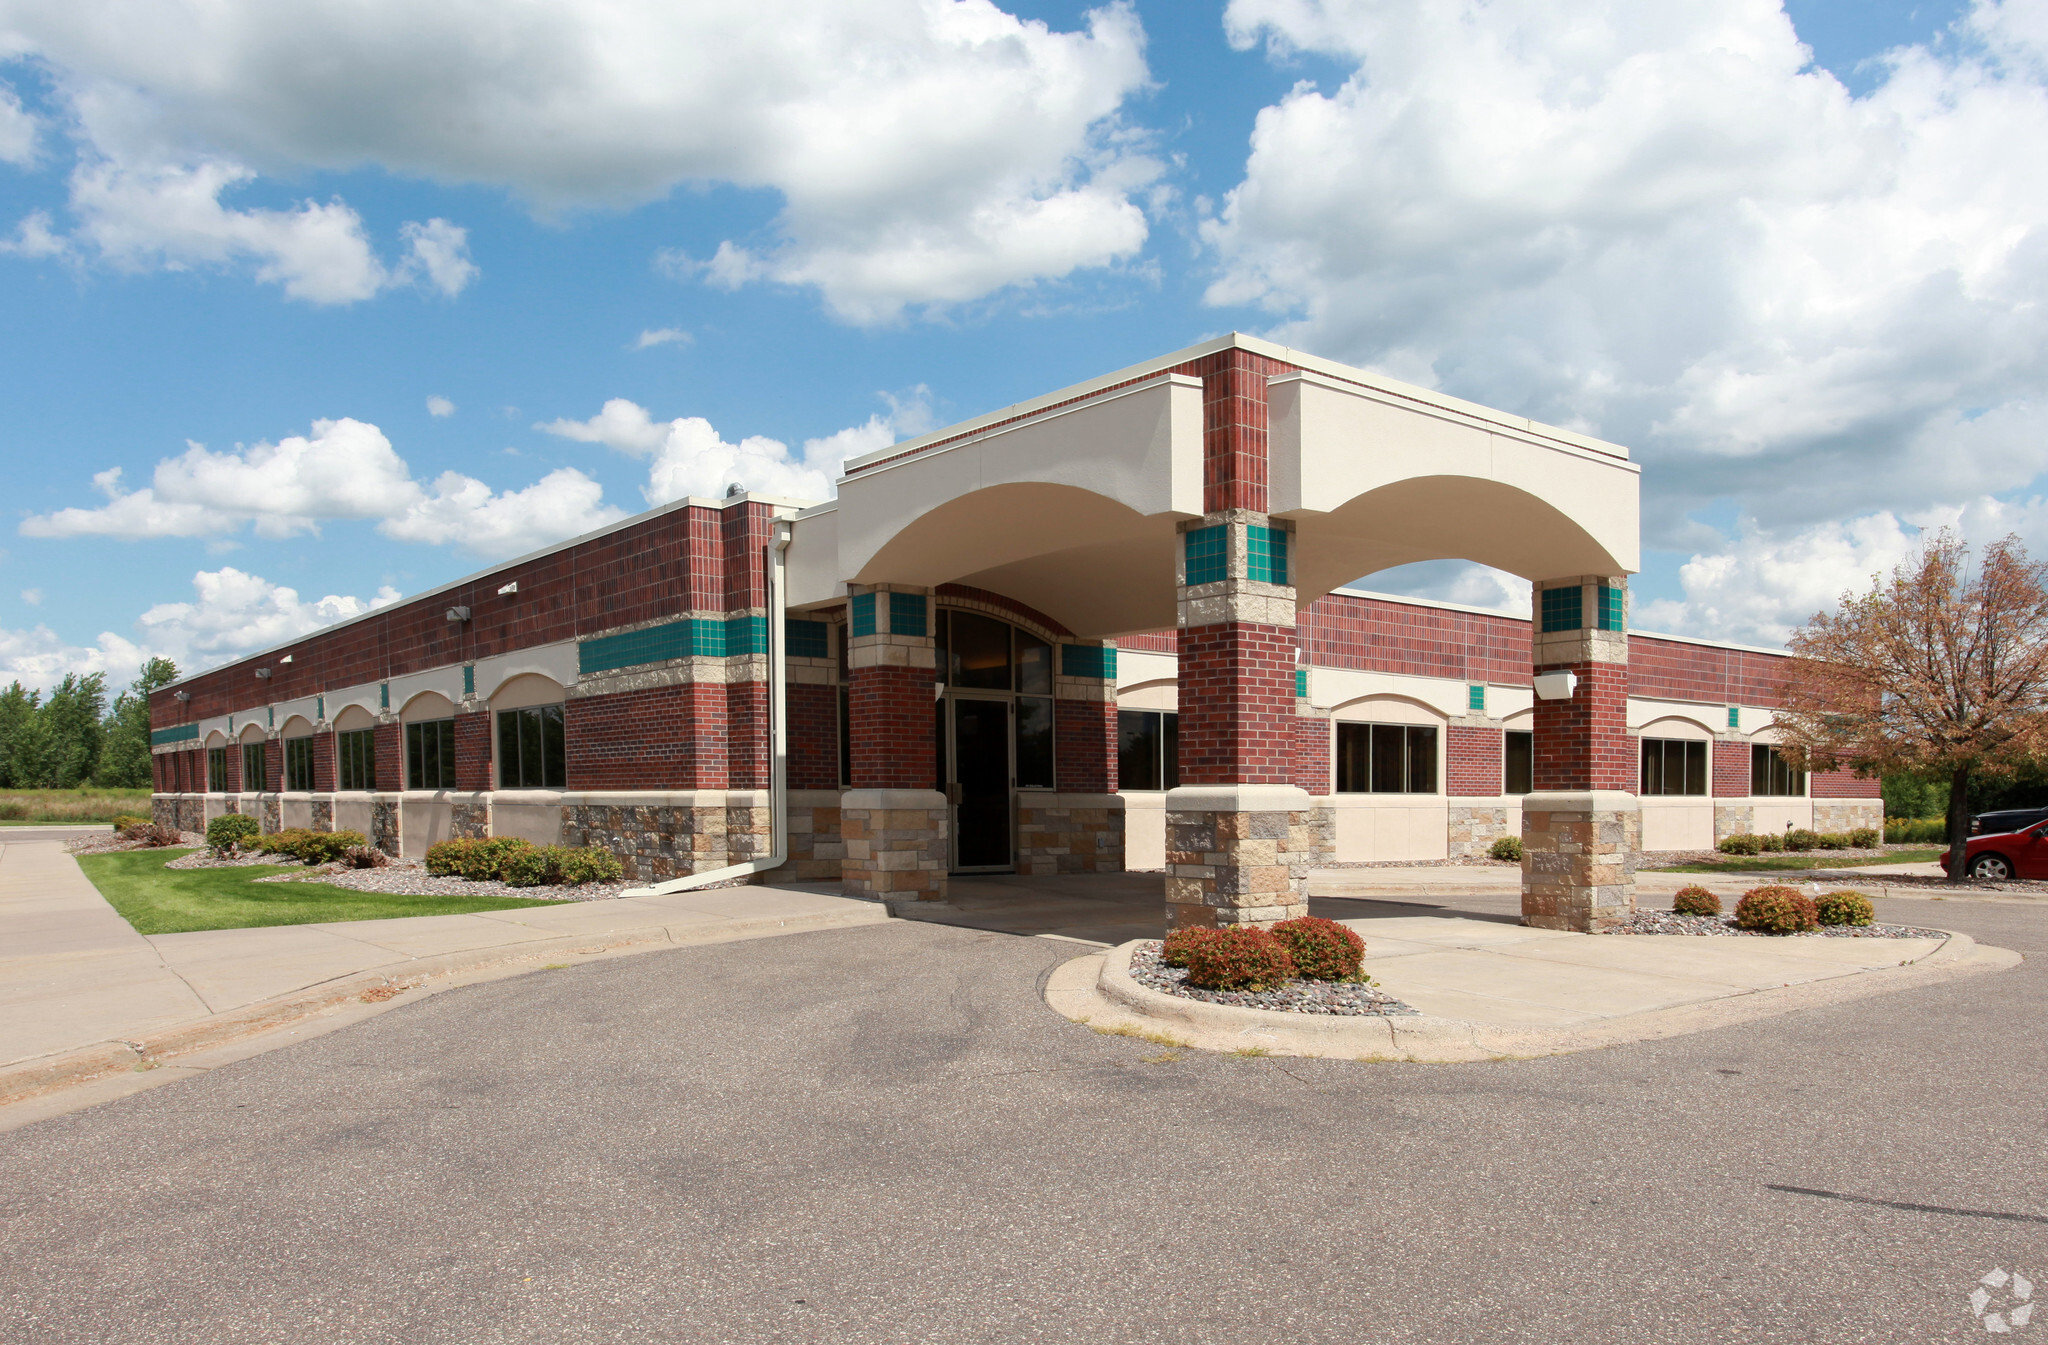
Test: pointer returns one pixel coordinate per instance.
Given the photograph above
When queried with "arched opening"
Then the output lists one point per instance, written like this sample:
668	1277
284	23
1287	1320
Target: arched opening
532	744
429	741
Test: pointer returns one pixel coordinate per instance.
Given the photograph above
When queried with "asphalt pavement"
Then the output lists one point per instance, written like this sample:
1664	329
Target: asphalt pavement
882	1134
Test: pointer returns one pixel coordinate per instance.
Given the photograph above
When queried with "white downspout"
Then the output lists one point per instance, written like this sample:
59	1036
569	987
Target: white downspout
778	741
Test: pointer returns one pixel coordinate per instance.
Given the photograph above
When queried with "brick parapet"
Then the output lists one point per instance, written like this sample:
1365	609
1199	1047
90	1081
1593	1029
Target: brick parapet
1473	760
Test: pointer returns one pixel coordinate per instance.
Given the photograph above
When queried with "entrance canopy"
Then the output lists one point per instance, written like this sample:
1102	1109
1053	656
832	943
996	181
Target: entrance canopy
1070	502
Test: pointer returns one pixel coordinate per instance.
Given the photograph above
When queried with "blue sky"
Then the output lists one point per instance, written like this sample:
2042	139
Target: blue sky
1805	294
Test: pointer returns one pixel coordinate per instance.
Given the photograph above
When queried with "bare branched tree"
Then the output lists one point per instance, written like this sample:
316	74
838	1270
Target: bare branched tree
1940	669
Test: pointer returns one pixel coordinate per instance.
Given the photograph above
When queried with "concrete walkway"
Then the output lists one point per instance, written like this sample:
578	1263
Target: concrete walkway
82	994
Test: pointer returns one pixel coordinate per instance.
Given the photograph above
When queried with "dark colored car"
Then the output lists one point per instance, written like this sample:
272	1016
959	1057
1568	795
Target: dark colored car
2006	820
2012	854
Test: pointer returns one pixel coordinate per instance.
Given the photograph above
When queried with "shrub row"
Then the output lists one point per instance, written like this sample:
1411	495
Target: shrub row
125	821
1798	839
519	863
1916	830
153	834
228	834
1777	909
1243	957
308	847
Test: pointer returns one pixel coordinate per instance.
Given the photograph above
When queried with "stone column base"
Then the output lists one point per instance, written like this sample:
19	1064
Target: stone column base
1577	847
1237	854
1069	833
895	843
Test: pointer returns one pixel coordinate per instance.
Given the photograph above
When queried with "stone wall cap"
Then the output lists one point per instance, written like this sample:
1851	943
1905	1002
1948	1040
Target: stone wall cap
1580	801
1046	798
892	798
1237	799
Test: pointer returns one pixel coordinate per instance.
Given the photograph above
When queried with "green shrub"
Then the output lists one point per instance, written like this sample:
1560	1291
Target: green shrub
1239	958
1865	838
286	842
1830	840
1321	950
589	864
1177	945
1693	899
1799	838
324	847
1916	831
535	866
446	858
1742	843
480	861
1507	847
227	834
1776	909
1770	842
1844	908
123	821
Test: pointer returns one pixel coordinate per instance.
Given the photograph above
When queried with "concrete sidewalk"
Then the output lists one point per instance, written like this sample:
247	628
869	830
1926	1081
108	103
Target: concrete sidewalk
82	994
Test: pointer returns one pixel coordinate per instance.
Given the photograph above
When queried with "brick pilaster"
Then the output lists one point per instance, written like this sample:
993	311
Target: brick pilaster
390	745
473	751
1473	756
813	736
273	764
1085	746
323	762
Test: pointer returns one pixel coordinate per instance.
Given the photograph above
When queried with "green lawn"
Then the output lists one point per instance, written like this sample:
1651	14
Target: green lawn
157	900
1781	863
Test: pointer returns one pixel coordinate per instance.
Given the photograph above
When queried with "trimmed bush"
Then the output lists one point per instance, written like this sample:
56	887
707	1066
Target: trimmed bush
1770	842
227	834
324	847
1507	847
478	861
1830	840
535	866
284	842
445	858
1321	950
589	864
364	857
1844	908
1239	958
123	821
1776	909
1865	838
1799	838
1741	843
1692	899
156	835
1174	949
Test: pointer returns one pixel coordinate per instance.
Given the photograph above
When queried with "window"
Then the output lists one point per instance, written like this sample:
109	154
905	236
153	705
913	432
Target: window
430	755
1386	759
1674	766
298	764
1562	609
356	758
1518	764
252	768
1771	776
1147	749
531	751
216	770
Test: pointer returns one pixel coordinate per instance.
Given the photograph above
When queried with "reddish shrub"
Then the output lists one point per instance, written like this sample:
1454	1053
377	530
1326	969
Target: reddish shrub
1776	909
1239	958
1693	899
1174	950
1322	950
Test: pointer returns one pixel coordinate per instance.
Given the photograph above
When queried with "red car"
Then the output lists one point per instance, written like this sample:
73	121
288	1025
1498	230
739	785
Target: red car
2012	854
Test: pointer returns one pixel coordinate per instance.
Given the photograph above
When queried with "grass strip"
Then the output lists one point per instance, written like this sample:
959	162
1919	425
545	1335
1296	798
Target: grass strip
1797	863
70	807
157	900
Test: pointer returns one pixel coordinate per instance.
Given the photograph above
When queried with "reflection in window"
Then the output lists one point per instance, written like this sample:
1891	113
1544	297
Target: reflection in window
298	764
430	754
1034	742
1771	776
1518	763
1386	759
216	770
1674	766
1147	749
355	754
253	769
531	753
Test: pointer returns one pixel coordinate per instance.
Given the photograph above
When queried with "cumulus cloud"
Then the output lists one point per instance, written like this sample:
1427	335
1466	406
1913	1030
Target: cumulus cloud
18	130
39	658
233	612
440	407
689	457
1661	224
346	469
35	237
663	336
438	253
924	151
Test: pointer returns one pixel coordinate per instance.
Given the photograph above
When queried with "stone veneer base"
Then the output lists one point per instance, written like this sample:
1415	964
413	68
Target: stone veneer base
1577	848
896	844
1238	854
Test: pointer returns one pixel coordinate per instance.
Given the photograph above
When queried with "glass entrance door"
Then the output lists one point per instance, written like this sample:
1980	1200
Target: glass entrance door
980	784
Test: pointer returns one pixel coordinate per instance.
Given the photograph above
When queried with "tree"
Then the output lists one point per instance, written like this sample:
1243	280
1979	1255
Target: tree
124	753
1938	670
71	716
21	754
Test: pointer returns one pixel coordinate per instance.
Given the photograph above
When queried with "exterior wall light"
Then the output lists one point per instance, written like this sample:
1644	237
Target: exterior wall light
512	587
182	695
458	614
263	672
1556	686
286	659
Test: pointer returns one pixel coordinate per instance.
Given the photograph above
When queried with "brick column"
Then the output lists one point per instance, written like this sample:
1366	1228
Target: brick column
892	822
1731	781
1239	831
323	761
1581	827
1475	747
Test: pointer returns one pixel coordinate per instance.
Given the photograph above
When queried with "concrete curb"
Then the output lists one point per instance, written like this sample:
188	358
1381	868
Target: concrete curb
33	1078
1098	990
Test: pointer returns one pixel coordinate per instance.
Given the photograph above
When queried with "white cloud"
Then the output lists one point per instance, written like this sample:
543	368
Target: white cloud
663	336
1660	224
689	457
33	237
18	130
346	469
440	407
439	251
32	596
925	151
39	658
233	613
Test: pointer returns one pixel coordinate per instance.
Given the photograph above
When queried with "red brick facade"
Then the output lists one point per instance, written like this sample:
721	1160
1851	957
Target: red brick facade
1731	770
890	712
1472	760
1843	785
473	751
669	737
390	745
1084	750
745	734
273	764
1237	705
323	762
1312	754
813	736
1682	671
1340	630
1584	743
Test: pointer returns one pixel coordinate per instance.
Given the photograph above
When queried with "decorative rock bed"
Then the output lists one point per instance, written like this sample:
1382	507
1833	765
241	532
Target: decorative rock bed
1670	922
1319	997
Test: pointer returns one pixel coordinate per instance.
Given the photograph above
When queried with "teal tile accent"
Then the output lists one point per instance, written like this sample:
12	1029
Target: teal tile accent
863	614
654	644
469	679
270	716
745	635
319	707
1088	660
1562	609
180	733
383	695
1301	684
807	639
1734	717
1208	555
1266	555
1613	601
1475	698
906	614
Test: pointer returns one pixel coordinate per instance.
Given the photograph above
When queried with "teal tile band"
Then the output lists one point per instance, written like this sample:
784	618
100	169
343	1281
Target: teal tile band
807	639
1562	609
180	733
1266	555
906	614
1475	698
745	635
1208	555
1613	615
692	637
1734	717
1301	683
469	679
863	610
1088	660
